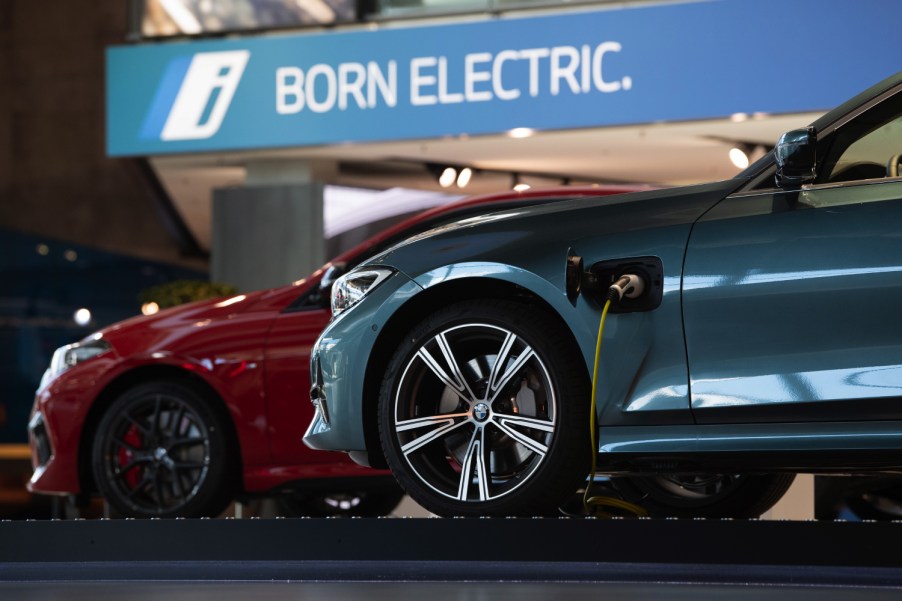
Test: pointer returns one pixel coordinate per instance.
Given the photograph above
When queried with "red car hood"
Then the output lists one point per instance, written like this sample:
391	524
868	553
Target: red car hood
129	335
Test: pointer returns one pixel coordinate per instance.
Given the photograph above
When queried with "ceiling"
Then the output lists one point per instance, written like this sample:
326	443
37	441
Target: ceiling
661	153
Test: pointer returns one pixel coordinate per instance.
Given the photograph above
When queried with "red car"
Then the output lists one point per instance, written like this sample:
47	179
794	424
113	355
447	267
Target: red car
178	413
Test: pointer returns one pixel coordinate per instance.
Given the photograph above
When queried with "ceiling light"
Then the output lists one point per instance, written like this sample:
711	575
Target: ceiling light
82	317
150	308
739	157
521	132
519	186
464	178
447	178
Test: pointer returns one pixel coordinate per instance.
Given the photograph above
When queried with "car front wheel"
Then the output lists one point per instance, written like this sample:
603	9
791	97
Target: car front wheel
483	411
161	451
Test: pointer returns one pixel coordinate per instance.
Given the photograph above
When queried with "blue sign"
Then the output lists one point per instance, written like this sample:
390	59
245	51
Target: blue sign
643	64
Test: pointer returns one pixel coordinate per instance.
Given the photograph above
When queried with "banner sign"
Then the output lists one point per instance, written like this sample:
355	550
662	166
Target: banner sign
617	66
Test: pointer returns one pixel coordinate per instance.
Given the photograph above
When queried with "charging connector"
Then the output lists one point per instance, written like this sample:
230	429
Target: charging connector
629	286
645	275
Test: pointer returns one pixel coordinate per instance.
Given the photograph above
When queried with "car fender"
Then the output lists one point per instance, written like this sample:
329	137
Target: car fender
577	317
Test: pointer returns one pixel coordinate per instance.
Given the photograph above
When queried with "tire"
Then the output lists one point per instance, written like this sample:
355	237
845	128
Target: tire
483	437
705	495
161	451
349	502
873	498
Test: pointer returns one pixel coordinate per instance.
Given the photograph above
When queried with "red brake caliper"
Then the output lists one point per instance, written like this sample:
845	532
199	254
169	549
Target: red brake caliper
133	439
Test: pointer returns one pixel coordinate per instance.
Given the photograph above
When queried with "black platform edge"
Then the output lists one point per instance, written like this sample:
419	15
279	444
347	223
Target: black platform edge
455	550
459	571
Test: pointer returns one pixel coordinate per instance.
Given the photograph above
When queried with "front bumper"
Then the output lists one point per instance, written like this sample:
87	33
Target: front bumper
55	427
54	448
338	365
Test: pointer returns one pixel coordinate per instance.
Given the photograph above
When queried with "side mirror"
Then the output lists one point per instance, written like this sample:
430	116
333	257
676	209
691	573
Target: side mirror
796	158
321	296
335	271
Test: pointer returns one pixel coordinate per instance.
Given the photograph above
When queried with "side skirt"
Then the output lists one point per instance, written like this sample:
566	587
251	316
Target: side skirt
824	447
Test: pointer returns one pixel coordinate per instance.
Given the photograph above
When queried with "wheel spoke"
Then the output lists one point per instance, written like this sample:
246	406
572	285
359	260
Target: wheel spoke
155	420
476	449
500	360
144	429
187	465
177	490
445	347
498	379
140	486
157	490
442	424
126	446
174	427
454	383
120	473
522	421
182	442
507	426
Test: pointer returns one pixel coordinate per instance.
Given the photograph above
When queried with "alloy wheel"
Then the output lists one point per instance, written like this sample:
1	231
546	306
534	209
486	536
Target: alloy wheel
475	412
156	454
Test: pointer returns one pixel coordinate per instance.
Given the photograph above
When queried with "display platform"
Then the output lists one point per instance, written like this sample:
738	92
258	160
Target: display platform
565	550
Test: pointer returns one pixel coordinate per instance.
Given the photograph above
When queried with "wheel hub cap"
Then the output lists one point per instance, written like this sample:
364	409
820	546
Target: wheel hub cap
481	412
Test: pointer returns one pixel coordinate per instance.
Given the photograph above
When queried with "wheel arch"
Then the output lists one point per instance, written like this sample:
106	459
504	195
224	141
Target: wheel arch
417	309
141	375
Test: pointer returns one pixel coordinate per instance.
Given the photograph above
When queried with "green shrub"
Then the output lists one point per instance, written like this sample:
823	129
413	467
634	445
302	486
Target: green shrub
179	292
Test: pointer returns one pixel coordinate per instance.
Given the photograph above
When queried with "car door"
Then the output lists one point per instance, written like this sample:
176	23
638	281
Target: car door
791	298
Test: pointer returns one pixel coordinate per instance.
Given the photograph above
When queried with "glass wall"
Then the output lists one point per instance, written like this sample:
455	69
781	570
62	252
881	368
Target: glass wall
54	293
203	17
411	8
164	18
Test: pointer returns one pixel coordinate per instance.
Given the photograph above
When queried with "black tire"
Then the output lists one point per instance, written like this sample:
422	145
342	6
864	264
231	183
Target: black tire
873	498
352	501
523	426
705	495
161	451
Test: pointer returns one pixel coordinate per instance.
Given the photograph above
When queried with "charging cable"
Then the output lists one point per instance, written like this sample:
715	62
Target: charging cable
629	286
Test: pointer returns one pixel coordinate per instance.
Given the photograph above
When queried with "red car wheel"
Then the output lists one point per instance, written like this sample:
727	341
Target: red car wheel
161	451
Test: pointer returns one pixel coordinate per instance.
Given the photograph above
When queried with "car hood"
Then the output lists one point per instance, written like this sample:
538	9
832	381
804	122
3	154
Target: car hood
182	315
509	235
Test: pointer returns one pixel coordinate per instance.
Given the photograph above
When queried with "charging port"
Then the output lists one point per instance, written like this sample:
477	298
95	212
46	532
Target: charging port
601	275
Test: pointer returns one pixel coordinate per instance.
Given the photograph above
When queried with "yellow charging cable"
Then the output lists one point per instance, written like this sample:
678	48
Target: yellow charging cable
594	505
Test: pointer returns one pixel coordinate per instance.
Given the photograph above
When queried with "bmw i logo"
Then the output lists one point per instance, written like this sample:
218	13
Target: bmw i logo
481	412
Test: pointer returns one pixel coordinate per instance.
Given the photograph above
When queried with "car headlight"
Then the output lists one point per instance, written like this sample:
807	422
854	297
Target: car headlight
350	288
72	354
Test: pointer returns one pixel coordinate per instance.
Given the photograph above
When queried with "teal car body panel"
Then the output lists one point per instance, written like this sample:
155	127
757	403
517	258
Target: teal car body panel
338	368
726	441
775	345
503	246
807	289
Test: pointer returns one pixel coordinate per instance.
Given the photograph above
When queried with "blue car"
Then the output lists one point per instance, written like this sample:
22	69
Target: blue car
752	332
